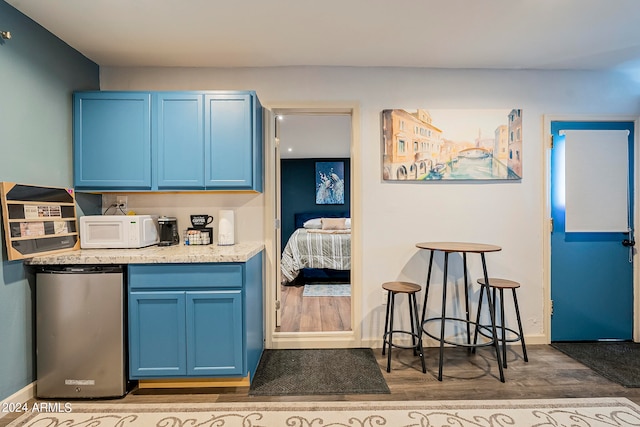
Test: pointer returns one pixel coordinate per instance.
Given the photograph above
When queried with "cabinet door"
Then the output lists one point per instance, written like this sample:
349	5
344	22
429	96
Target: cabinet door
215	333
112	140
157	334
179	140
229	141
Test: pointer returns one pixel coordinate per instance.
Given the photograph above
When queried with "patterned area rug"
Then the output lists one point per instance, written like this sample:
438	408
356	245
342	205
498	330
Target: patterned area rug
327	290
520	413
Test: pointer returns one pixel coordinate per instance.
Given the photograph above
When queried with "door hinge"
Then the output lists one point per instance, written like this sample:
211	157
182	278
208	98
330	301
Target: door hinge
277	305
551	225
276	224
551	142
552	307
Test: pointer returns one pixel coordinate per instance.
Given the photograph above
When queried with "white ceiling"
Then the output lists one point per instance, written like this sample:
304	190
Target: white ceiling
507	34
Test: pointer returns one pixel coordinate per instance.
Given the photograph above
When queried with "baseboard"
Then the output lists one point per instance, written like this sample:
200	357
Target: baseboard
301	340
194	383
19	397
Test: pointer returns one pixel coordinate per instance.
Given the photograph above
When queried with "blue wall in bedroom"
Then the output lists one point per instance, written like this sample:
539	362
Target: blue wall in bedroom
39	72
298	184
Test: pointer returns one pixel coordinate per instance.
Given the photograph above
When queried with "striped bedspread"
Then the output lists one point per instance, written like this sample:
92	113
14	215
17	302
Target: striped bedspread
315	250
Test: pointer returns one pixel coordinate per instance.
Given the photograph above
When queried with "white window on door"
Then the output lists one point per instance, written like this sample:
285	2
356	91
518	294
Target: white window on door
596	180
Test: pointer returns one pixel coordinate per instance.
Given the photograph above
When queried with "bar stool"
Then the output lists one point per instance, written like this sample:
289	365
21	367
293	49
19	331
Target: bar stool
501	285
410	289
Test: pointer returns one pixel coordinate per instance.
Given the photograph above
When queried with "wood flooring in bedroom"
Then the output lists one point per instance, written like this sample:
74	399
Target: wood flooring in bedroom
313	314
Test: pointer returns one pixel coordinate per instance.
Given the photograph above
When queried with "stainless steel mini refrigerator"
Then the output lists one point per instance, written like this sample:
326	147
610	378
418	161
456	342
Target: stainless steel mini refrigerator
80	332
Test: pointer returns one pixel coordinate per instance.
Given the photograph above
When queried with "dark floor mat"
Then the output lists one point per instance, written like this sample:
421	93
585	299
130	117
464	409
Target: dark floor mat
323	371
617	361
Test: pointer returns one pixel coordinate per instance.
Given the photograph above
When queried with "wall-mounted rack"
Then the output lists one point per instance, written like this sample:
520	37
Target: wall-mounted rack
38	220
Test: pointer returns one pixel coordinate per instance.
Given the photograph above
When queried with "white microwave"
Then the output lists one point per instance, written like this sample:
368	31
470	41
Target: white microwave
118	231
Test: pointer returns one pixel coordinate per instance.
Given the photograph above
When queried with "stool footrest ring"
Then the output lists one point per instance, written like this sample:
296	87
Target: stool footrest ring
455	343
485	331
406	347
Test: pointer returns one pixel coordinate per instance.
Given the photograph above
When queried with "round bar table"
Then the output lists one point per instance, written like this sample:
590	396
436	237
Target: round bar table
463	248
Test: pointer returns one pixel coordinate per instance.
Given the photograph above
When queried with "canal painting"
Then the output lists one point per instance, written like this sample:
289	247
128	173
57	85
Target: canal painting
428	145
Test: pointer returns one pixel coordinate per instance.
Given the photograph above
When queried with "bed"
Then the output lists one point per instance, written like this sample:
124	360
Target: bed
313	247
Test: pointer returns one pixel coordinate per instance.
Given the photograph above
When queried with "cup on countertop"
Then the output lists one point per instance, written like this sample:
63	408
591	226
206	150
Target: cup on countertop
201	221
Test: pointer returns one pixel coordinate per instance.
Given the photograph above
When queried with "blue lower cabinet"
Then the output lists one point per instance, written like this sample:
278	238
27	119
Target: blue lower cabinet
214	333
195	320
158	340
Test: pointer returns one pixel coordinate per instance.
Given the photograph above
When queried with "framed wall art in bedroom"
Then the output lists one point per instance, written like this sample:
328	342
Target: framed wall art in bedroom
330	183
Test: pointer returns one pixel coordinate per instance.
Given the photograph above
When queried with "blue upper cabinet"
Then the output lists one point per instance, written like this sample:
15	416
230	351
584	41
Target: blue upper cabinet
179	141
194	141
112	140
231	142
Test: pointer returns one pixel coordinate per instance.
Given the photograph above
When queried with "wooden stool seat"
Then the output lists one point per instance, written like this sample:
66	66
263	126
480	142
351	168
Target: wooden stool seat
500	285
410	289
401	287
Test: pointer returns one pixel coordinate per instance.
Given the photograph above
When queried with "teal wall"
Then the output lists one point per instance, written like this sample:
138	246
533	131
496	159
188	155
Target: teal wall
38	73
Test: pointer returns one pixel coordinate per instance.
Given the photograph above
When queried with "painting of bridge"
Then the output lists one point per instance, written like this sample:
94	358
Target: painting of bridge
428	145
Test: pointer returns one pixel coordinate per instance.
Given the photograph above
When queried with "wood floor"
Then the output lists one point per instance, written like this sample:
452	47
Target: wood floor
313	314
548	374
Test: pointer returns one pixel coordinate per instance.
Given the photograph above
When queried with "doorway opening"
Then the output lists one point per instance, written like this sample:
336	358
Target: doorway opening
315	196
314	278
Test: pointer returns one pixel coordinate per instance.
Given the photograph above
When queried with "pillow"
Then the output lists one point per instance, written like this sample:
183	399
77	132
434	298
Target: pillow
334	224
313	223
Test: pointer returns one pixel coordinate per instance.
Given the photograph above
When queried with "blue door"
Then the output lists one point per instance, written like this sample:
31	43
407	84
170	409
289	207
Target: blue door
591	270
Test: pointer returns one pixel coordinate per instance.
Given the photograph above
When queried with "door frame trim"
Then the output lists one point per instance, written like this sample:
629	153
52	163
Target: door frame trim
309	340
546	223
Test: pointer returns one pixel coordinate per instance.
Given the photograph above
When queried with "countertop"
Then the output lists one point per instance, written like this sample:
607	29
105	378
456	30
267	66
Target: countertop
240	252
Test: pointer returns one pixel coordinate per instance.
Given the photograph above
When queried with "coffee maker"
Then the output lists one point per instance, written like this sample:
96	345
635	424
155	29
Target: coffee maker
168	228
